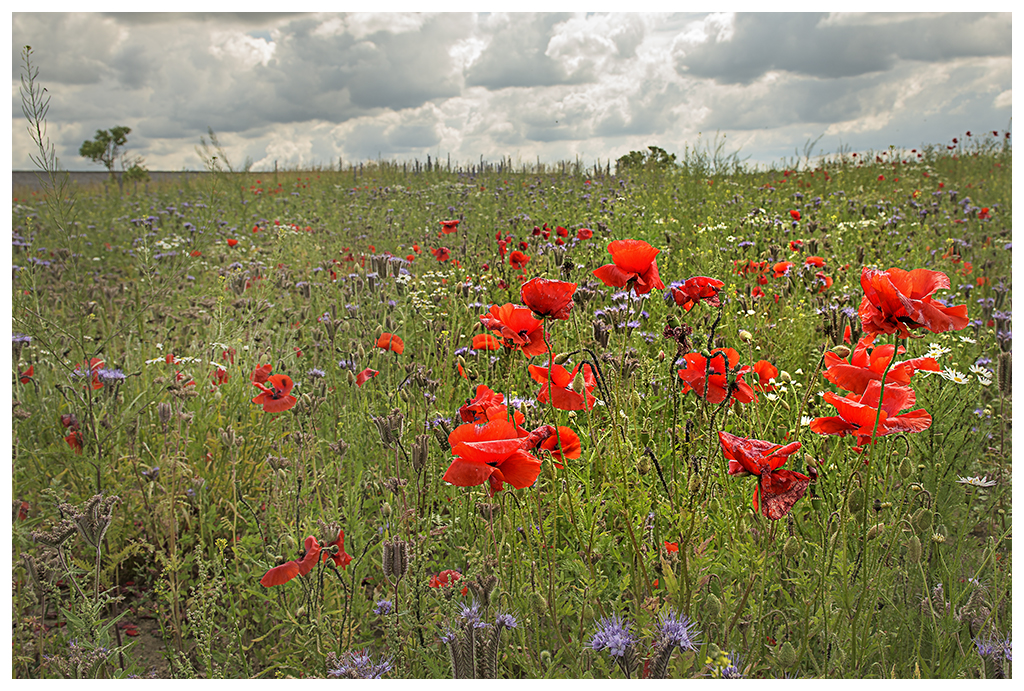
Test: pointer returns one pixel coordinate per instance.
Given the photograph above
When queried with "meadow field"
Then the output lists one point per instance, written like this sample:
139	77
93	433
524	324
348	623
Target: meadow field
516	421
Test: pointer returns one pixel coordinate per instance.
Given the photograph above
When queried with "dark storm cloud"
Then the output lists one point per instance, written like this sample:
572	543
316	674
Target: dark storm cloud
516	55
805	43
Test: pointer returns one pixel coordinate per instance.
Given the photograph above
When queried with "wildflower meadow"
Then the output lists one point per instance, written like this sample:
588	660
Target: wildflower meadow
437	420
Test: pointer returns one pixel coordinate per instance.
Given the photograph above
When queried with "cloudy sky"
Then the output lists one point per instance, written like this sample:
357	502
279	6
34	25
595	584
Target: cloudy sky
310	88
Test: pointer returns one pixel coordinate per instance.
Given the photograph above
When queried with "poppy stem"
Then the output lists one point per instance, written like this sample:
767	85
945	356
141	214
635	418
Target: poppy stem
881	392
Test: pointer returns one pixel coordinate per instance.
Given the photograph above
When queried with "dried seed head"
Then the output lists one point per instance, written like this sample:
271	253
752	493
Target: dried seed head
164	411
420	452
1004	373
339	447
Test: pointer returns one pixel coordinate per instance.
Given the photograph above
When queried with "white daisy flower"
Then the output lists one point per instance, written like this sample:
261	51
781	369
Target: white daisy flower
936	350
806	420
967	339
976	481
952	375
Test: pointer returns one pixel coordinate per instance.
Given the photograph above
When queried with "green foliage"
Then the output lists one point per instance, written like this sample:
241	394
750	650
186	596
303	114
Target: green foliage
105	146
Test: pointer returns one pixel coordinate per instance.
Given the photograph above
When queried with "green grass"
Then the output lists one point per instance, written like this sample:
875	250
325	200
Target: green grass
839	588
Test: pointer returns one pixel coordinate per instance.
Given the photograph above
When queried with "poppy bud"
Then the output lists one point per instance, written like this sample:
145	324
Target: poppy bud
300	612
578	382
842	351
561	358
784	376
914	549
643	465
786	655
855	502
713	607
792	547
922	520
876	530
746	336
694	484
906	468
565	503
537	603
661	356
351	377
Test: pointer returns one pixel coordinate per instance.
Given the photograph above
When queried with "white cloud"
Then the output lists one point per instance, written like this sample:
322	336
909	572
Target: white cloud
1004	99
246	49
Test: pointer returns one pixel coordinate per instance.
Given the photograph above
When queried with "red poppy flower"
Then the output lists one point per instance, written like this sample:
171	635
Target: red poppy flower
825	281
517	260
633	264
502	248
341	558
983	215
366	374
75	441
867	364
449	227
486	342
392	342
671	547
562	232
518	326
695	289
487	405
584	233
232	242
494	453
750	267
299	567
794	214
765	372
563	443
277	398
94	366
564	395
814	261
796	245
777	490
261	374
896	301
548	298
26	376
857	413
444	579
219	376
781	269
709	380
441	253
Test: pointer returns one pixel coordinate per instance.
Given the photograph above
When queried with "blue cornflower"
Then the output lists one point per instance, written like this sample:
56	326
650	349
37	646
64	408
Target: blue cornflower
316	373
20	338
358	665
472	616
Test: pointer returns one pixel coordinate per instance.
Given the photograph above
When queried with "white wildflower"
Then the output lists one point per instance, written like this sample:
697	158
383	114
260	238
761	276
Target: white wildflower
976	481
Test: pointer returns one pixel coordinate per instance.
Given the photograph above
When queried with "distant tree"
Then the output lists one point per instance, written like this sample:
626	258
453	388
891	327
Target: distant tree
654	157
106	147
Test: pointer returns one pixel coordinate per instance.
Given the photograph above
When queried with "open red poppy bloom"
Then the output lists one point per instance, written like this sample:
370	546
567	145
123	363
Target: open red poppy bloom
548	298
633	264
814	261
824	282
341	558
277	398
794	214
765	372
857	413
298	567
896	301
518	326
777	490
26	376
441	253
444	579
232	242
365	375
261	374
219	376
494	453
564	395
391	342
488	405
867	364
709	379
584	233
671	547
449	227
696	289
517	260
94	366
782	269
563	443
486	342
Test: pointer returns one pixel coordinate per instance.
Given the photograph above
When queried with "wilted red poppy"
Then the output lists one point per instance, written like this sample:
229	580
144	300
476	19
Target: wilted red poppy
562	444
517	260
494	453
486	342
488	405
548	298
696	289
564	394
781	269
232	242
391	342
74	440
896	301
219	376
857	413
341	558
298	567
441	253
707	377
794	214
814	261
366	374
867	364
26	376
277	398
518	326
633	264
449	227
261	374
584	233
777	490
765	372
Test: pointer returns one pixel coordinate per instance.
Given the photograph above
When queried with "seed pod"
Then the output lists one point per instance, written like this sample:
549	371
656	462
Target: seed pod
561	358
713	607
643	464
876	530
922	520
746	336
842	351
537	602
694	484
